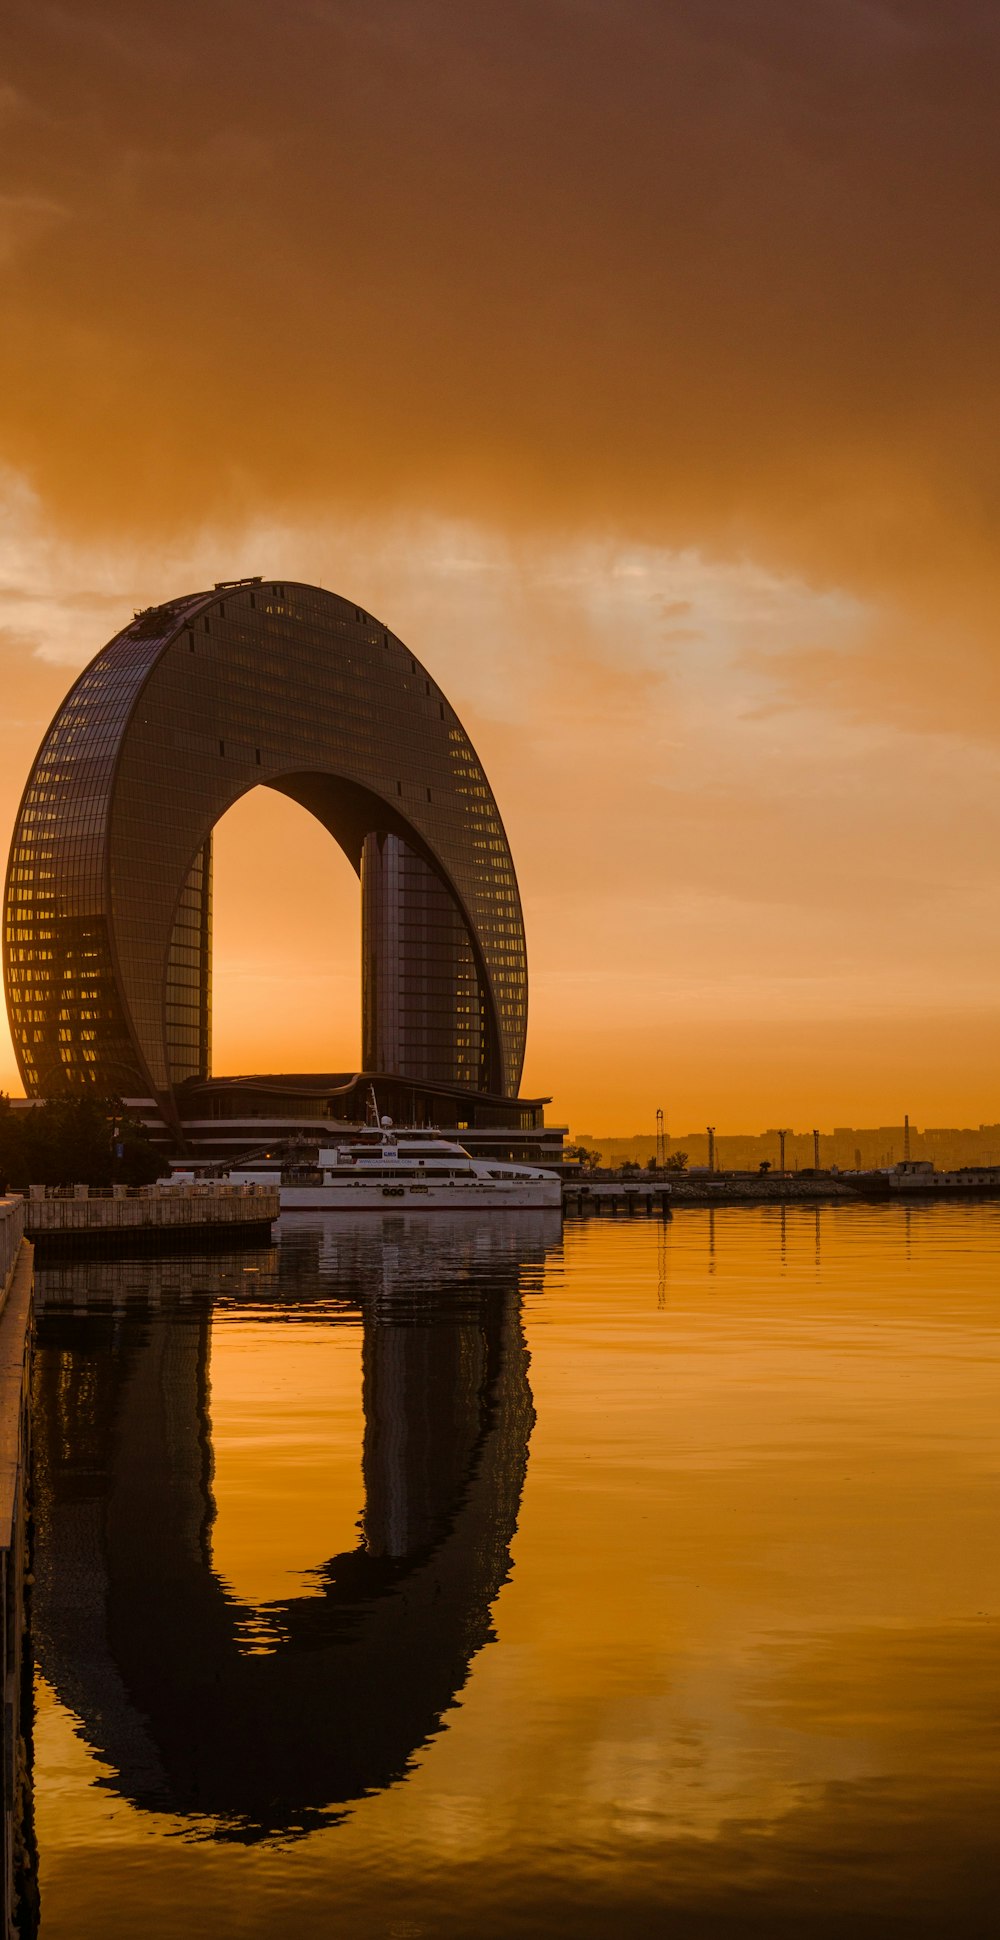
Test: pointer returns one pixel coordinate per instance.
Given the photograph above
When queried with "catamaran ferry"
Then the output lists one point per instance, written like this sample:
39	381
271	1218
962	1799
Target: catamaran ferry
392	1170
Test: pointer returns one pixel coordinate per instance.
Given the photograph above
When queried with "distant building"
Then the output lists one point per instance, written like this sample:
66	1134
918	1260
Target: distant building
108	911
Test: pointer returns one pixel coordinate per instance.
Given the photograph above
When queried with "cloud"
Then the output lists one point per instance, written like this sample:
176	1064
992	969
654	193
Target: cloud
22	219
701	275
727	883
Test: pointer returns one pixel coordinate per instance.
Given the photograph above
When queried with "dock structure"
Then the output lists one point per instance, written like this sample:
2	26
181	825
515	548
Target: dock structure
621	1195
71	1218
18	1873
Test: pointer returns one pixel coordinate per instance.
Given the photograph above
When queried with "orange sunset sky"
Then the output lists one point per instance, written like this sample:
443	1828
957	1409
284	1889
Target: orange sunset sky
637	364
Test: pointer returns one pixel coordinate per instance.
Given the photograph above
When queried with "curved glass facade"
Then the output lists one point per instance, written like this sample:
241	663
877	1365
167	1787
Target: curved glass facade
107	933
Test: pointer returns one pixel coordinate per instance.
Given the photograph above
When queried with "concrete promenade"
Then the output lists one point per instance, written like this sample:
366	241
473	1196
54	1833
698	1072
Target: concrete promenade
64	1218
18	1876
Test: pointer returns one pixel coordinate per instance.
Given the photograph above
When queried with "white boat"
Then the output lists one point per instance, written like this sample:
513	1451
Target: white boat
395	1171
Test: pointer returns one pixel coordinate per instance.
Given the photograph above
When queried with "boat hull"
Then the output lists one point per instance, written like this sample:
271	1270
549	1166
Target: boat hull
457	1196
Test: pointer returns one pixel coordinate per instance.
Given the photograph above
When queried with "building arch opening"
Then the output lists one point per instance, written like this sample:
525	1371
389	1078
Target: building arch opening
286	942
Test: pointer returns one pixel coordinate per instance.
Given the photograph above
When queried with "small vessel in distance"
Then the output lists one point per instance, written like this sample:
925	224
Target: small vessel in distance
382	1168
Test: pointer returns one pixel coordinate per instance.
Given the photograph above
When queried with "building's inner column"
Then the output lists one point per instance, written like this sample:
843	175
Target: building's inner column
422	1010
189	976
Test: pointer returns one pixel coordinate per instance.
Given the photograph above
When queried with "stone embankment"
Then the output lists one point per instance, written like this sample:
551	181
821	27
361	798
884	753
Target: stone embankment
631	1191
18	1872
758	1189
70	1218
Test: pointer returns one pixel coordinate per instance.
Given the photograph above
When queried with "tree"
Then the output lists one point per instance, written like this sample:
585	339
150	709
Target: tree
676	1162
584	1155
764	1166
73	1141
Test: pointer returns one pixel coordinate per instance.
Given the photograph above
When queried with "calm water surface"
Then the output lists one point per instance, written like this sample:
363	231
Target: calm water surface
419	1578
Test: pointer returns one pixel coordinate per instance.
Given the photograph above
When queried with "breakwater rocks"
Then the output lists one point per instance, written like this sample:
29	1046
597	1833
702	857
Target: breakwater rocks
630	1193
759	1189
637	1191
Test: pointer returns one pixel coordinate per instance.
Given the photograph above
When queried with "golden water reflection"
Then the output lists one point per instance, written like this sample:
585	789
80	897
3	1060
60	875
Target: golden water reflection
287	1434
739	1674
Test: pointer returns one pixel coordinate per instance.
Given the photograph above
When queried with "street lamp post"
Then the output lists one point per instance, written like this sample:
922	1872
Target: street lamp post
711	1147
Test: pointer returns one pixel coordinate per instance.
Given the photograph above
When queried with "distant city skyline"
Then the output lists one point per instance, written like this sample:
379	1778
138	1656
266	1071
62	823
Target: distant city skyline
842	1145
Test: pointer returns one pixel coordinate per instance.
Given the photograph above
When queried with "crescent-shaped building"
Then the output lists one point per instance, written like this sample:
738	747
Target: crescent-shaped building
108	923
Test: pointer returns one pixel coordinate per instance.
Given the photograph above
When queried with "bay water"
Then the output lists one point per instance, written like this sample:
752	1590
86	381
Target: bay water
433	1576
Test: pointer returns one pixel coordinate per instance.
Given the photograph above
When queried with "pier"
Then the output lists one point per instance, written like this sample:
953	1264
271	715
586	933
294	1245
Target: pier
622	1195
119	1218
17	1870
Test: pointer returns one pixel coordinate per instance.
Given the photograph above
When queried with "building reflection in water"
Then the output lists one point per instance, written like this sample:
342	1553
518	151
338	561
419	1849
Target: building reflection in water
138	1635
